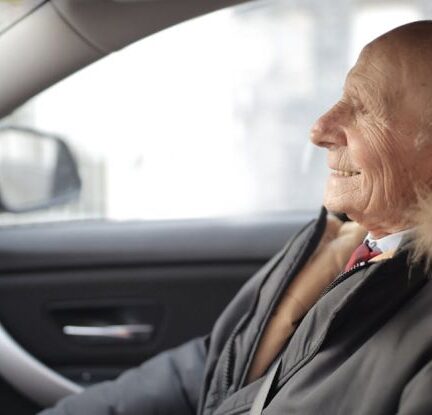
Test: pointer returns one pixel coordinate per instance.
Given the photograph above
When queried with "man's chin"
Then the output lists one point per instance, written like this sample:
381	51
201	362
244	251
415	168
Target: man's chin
337	205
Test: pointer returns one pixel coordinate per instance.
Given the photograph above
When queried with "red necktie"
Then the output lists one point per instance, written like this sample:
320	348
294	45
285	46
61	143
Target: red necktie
361	254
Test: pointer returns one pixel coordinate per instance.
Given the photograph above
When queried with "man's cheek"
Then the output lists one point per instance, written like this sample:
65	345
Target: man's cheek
372	138
369	161
368	183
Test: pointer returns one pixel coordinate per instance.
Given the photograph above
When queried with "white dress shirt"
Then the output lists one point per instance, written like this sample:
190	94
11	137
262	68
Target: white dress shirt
387	243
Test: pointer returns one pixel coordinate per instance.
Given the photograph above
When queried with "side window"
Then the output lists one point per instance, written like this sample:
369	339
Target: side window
210	117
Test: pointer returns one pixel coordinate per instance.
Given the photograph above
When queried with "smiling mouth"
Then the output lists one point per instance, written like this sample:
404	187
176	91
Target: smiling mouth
345	173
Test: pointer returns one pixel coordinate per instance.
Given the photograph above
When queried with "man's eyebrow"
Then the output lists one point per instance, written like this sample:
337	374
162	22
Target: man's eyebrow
364	80
364	89
369	97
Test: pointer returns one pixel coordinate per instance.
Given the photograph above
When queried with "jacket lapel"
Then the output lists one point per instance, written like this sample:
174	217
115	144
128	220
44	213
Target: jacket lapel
268	295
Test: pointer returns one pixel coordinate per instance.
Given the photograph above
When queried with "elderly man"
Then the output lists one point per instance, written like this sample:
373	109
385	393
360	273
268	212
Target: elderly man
330	325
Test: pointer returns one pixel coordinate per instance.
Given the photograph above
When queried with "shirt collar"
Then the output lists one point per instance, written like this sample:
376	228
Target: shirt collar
388	242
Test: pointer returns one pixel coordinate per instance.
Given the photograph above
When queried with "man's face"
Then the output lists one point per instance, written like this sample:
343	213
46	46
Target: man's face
370	135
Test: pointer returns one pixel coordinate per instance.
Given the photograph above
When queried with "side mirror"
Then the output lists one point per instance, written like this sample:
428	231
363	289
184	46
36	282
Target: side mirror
37	170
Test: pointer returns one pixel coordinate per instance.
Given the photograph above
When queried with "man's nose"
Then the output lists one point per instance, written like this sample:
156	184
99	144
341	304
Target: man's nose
329	130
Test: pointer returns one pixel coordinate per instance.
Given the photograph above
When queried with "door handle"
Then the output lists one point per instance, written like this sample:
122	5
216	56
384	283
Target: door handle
118	332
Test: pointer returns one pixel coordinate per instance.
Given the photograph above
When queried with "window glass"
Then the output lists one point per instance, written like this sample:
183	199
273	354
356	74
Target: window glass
371	20
211	117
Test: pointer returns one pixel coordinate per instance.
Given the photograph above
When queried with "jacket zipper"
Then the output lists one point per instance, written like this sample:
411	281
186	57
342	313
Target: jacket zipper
339	279
342	277
228	365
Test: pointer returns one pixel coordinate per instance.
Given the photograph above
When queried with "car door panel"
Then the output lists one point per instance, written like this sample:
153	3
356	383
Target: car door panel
172	278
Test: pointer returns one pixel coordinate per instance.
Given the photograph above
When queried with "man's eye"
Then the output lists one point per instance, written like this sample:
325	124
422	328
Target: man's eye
360	108
363	110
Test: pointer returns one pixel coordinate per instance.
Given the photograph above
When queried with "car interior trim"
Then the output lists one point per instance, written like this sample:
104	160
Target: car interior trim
89	244
56	51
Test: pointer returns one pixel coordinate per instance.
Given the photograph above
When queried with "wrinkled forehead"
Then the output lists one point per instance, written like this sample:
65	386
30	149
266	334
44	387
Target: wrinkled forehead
390	73
376	67
394	66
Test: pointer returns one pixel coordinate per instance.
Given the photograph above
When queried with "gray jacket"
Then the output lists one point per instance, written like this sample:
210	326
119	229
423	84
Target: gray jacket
364	348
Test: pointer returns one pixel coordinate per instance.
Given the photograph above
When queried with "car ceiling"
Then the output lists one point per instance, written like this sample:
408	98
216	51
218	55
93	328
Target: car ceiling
62	36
